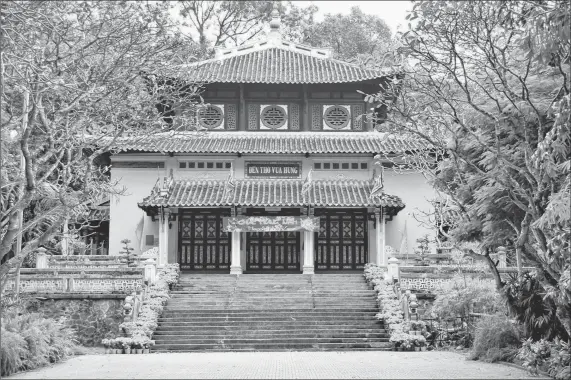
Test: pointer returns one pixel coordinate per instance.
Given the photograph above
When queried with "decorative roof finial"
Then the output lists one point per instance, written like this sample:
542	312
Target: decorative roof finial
275	23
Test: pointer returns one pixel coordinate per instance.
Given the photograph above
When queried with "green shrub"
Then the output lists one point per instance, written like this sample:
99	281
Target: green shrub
457	297
496	338
13	350
550	356
30	341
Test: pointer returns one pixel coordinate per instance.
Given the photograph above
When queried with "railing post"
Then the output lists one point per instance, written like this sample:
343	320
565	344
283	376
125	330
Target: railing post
393	268
41	258
413	305
404	305
501	257
150	271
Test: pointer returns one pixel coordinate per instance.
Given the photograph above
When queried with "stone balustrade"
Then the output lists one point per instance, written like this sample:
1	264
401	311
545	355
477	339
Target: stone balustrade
83	262
432	277
66	280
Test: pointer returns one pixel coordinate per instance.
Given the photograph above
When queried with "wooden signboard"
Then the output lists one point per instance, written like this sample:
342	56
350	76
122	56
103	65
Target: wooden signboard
280	169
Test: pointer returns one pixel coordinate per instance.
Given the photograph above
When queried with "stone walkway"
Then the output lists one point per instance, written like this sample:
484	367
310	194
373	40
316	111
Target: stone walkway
277	365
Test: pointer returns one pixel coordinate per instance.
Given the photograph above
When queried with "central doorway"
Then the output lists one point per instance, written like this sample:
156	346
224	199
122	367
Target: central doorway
273	250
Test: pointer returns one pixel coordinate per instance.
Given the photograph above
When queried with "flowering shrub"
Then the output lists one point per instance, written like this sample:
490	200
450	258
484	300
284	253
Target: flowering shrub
552	356
150	253
457	297
391	312
155	299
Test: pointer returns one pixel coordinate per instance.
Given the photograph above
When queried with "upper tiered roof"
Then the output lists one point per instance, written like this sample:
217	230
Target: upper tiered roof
269	142
274	60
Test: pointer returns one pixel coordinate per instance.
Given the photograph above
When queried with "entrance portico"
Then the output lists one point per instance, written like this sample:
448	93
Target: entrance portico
334	227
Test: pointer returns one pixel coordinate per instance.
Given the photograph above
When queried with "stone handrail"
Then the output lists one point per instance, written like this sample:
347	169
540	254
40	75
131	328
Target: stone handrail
109	281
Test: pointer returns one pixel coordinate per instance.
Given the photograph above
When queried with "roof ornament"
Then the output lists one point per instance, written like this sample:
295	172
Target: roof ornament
275	24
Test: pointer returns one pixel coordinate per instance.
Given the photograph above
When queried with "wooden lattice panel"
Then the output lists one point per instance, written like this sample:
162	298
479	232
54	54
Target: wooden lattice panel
315	117
358	117
231	116
294	116
253	116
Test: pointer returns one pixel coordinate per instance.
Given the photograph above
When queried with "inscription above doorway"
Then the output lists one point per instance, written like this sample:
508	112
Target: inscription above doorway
265	169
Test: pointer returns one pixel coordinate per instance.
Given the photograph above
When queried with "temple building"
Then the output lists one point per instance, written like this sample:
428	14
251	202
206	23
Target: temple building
285	178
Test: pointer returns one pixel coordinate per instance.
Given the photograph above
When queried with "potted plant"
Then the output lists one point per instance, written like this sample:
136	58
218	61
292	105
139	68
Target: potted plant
117	346
147	345
107	344
137	346
126	344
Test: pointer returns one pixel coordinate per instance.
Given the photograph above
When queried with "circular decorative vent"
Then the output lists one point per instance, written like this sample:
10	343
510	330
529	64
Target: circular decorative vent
336	117
211	117
274	117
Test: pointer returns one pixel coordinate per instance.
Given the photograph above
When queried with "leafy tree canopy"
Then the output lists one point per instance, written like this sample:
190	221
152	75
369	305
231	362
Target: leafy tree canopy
486	85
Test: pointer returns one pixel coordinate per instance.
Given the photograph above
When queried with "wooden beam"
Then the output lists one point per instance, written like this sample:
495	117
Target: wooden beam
306	122
242	111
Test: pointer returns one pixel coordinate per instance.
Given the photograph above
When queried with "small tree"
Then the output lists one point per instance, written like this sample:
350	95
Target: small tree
73	82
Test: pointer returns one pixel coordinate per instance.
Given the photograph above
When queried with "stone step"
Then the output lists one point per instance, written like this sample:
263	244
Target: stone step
271	346
206	312
254	317
272	340
206	316
364	333
277	325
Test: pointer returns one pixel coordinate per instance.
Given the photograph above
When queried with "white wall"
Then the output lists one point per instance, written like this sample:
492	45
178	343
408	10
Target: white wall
125	214
415	192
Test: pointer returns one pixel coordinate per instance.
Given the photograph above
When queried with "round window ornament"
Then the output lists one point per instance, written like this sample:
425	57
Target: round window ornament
336	117
274	116
211	117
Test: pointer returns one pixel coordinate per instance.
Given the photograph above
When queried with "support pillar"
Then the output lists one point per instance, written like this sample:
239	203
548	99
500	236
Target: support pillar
164	239
41	258
308	252
235	264
393	269
381	258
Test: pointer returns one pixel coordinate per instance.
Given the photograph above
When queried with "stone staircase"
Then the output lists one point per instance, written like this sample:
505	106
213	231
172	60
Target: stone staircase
263	312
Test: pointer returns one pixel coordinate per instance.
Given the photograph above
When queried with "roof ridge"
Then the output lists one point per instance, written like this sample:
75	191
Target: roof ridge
243	52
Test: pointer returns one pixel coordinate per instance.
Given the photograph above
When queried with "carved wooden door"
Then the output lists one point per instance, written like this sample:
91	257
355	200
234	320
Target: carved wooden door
273	250
203	243
341	242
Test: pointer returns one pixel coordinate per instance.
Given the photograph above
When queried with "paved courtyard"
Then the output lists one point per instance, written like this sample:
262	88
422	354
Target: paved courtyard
278	365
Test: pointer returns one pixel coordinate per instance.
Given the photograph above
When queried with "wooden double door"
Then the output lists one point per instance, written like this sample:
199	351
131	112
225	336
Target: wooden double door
203	243
273	250
341	243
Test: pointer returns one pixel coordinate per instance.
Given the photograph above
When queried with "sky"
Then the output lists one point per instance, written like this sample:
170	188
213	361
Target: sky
393	12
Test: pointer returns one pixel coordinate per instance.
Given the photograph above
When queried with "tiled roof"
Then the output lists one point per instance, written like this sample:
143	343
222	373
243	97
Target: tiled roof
278	64
269	193
269	142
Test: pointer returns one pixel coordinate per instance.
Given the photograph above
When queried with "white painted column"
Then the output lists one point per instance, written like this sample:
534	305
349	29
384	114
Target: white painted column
163	239
308	252
381	258
235	263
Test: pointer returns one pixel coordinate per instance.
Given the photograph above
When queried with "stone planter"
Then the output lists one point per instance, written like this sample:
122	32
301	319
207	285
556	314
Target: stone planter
423	348
138	350
401	348
118	351
127	351
417	349
145	350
